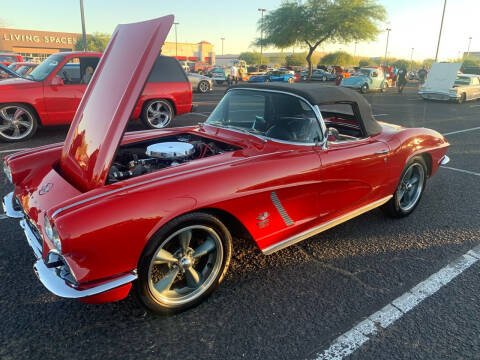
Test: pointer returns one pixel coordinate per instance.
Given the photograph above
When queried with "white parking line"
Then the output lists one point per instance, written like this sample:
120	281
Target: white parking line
350	341
199	114
13	150
381	114
462	131
474	106
461	170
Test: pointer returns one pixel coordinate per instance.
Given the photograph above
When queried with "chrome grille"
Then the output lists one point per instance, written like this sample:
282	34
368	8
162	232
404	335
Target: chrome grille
283	213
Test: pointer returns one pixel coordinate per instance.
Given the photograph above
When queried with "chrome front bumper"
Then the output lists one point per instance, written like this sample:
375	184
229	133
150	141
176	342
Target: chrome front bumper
52	272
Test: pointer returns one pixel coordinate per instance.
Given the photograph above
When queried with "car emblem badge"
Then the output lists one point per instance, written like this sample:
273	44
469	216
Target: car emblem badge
45	188
263	219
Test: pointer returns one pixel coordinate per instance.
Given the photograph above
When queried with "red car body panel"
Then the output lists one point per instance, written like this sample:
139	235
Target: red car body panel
104	227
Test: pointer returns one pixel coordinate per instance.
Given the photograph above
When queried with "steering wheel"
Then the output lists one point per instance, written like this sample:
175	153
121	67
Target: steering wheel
66	76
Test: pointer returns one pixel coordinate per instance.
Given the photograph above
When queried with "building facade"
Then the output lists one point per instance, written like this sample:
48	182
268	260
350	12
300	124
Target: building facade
38	45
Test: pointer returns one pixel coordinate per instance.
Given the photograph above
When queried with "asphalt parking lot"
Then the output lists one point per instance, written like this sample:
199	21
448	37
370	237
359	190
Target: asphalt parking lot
295	303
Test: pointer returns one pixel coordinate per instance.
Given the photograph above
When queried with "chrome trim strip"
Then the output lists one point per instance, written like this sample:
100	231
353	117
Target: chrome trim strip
325	226
31	239
283	213
32	150
59	287
58	211
7	205
445	160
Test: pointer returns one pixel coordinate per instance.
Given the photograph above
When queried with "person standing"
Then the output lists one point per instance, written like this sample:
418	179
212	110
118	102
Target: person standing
401	79
422	74
233	75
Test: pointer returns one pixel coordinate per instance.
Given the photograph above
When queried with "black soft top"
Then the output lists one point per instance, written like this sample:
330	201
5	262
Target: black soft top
321	95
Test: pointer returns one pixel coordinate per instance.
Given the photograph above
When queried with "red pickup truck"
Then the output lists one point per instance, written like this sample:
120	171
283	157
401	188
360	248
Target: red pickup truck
51	93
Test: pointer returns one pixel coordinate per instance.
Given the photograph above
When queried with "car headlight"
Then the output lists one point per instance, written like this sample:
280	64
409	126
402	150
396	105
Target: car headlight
52	234
7	171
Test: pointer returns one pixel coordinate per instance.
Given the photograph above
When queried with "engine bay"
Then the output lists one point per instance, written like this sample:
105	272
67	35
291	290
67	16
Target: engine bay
156	154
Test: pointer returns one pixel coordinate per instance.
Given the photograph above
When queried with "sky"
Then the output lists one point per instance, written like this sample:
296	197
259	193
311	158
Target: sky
414	23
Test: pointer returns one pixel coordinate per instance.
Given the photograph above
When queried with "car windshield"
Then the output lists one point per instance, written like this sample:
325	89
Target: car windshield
45	68
267	114
462	80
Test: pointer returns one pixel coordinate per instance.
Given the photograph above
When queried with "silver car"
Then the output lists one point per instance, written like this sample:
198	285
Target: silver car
200	83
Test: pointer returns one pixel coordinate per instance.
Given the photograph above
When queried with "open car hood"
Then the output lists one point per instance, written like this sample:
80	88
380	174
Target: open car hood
109	100
441	77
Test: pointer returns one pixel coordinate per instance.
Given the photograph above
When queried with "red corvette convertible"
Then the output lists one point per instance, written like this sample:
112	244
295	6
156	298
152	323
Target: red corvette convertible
158	209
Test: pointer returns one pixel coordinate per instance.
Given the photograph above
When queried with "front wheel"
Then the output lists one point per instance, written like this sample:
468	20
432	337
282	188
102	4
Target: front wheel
157	114
364	89
462	98
183	263
18	122
409	189
203	86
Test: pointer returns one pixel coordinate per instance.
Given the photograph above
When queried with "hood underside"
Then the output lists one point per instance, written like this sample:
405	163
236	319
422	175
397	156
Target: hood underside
109	100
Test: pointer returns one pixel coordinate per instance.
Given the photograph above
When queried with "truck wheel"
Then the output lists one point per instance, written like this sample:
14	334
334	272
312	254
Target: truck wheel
183	263
364	89
462	99
157	113
18	122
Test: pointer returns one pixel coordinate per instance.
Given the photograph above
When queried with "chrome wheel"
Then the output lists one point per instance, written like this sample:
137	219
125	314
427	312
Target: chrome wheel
16	122
185	265
410	187
203	86
158	114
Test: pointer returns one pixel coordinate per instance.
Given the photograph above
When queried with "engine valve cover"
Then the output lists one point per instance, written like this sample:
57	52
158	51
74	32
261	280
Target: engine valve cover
170	150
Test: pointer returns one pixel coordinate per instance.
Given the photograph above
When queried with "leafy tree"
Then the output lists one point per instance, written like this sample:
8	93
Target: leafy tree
470	61
278	58
314	22
297	59
367	62
340	58
251	58
428	62
402	64
95	42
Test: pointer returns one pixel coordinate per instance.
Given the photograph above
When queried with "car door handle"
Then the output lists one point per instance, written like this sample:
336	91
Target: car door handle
384	151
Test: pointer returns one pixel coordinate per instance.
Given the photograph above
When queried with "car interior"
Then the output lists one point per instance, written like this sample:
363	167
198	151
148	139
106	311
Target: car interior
342	122
78	70
274	115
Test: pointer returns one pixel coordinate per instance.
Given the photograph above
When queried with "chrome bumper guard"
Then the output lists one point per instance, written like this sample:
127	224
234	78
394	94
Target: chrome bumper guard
9	209
55	275
445	160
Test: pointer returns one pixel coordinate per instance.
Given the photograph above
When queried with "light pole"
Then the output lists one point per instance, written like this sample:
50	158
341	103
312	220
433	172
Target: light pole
355	51
176	41
469	43
411	59
441	27
84	34
222	43
261	36
386	46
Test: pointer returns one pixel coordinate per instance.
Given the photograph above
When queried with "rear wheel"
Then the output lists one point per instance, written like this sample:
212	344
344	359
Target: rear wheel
409	190
183	263
324	78
157	114
18	122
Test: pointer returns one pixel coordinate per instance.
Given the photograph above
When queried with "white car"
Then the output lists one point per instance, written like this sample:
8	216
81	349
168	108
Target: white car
220	75
445	83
